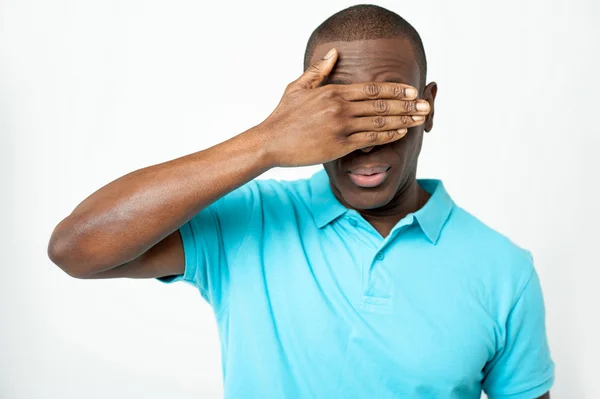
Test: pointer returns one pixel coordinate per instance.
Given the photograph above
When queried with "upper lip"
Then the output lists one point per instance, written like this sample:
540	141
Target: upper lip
368	169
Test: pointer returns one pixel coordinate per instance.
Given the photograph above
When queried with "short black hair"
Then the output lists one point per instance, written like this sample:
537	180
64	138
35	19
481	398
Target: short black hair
367	22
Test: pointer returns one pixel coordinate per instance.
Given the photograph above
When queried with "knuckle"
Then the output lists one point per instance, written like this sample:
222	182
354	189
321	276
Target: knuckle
409	106
379	122
290	87
399	92
381	107
406	120
372	89
372	137
328	93
314	68
335	108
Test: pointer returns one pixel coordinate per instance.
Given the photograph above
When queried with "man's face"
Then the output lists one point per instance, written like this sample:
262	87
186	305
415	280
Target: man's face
381	60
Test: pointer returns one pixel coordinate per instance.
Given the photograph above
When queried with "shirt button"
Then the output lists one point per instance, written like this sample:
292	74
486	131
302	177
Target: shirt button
380	256
353	222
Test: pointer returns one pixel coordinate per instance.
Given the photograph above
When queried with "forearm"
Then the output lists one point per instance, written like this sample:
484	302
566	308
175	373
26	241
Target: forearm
311	125
125	218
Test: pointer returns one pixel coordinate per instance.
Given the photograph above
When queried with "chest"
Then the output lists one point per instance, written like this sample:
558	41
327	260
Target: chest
397	316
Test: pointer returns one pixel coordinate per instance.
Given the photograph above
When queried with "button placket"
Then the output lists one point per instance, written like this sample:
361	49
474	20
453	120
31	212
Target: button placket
377	295
376	289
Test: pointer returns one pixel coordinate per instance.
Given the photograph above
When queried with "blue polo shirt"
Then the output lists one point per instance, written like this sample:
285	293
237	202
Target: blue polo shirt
312	302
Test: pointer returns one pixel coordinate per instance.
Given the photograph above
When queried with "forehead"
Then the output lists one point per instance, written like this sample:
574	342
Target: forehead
372	60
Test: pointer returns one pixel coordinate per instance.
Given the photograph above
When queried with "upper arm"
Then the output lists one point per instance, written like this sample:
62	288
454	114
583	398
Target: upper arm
197	251
522	368
164	259
212	239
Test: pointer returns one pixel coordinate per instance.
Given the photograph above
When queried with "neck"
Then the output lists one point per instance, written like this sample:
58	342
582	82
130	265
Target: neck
410	198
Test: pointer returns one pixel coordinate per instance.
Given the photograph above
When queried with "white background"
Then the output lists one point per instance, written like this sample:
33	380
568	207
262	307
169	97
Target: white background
90	90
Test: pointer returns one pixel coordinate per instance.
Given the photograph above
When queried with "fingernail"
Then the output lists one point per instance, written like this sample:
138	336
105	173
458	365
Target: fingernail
410	92
418	118
422	106
329	54
403	131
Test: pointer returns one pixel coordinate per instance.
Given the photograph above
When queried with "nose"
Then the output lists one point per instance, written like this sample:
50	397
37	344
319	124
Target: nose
367	149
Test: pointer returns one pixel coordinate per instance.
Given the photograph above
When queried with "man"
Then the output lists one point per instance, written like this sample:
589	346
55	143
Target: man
360	282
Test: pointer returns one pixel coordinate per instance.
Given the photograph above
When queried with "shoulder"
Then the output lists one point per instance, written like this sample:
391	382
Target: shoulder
264	200
283	193
296	188
266	191
496	261
466	229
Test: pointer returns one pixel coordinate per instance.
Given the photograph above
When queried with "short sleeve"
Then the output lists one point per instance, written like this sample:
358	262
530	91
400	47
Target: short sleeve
522	368
211	240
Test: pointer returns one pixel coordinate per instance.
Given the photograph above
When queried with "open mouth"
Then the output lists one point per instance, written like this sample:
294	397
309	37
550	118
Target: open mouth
368	177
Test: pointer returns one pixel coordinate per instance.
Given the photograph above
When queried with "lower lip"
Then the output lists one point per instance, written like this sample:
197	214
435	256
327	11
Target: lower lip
368	181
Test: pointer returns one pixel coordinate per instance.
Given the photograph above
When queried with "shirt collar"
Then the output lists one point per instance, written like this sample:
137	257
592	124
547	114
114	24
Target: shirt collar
325	207
433	215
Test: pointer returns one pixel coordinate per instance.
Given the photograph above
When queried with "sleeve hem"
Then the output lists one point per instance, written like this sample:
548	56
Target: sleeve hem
532	393
189	251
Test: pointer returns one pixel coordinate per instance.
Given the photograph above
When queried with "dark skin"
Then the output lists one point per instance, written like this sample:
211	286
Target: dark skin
129	228
383	60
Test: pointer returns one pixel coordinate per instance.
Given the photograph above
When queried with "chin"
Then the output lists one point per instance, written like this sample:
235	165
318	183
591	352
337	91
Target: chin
361	198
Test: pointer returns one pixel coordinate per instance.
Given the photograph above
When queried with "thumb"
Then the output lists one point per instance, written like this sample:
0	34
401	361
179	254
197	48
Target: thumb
317	72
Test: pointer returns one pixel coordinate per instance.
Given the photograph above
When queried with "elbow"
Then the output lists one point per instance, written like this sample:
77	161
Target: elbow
59	254
66	251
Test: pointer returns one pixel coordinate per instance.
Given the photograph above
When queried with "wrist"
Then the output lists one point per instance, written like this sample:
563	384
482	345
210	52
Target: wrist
257	140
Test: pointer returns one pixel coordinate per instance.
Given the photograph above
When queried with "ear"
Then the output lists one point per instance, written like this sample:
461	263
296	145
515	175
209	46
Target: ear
429	94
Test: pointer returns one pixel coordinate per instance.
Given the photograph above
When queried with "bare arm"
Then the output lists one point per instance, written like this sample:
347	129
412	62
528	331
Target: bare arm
128	228
115	227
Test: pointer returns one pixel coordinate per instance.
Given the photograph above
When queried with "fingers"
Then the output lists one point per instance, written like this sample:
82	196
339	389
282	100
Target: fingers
375	90
373	138
316	73
385	123
388	107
